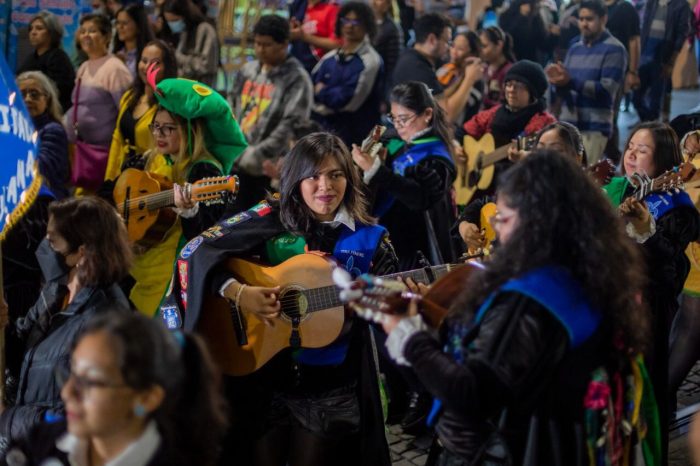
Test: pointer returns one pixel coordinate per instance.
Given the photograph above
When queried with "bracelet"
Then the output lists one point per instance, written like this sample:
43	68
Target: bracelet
633	72
237	299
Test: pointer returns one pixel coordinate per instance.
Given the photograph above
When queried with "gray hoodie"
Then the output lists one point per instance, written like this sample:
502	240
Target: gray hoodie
265	105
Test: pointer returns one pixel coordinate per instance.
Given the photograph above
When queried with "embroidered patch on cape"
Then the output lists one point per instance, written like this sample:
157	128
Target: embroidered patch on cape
213	232
171	317
262	209
191	247
238	218
182	273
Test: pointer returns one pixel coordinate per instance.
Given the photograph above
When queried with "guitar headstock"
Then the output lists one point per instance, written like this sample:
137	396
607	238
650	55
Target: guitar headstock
208	189
526	143
602	172
370	145
373	298
671	180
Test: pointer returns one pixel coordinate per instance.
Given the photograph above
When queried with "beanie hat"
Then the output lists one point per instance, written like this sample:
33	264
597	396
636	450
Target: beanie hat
189	99
531	74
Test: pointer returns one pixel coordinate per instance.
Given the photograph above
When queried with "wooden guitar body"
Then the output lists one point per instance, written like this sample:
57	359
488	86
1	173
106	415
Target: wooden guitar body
145	226
310	309
472	175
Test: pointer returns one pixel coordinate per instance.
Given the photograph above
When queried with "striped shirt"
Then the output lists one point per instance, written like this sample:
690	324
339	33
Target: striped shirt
596	71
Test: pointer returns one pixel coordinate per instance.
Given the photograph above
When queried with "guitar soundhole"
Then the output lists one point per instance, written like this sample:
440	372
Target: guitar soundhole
294	304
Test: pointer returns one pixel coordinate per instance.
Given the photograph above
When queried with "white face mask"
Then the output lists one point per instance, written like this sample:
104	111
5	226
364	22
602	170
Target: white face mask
176	27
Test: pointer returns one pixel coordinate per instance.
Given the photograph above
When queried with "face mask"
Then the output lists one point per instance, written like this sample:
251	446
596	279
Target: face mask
47	255
176	27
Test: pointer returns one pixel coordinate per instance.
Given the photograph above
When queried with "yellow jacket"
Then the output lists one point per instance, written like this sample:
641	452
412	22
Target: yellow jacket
120	146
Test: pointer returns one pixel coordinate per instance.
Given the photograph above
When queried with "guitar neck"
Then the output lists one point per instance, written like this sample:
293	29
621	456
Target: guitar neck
157	200
327	297
496	156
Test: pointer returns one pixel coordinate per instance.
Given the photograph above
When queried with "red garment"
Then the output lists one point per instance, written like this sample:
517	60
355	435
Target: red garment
319	21
495	85
480	123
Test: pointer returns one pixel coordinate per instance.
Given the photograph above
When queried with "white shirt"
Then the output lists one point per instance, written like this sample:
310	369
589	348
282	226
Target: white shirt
138	453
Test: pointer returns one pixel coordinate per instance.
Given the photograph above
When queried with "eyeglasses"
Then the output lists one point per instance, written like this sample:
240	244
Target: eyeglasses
518	86
350	22
32	94
161	130
81	384
400	121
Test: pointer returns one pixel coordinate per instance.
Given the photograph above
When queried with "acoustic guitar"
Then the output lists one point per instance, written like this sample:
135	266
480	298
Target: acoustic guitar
141	198
476	170
312	314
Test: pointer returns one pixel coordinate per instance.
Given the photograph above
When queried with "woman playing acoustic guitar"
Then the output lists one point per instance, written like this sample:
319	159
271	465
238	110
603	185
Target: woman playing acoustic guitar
195	137
663	224
305	407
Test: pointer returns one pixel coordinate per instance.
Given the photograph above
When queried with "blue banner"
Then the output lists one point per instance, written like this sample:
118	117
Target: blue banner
19	179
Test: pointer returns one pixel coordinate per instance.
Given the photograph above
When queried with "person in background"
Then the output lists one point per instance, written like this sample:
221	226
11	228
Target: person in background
348	81
45	35
587	83
41	98
137	109
133	33
387	42
531	39
197	50
269	95
465	49
22	275
497	53
312	30
101	82
134	394
85	254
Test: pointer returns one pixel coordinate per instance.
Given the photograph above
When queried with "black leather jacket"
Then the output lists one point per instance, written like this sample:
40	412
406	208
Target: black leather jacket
515	359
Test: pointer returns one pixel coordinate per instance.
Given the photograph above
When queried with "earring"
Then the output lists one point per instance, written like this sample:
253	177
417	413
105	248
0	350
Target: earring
139	410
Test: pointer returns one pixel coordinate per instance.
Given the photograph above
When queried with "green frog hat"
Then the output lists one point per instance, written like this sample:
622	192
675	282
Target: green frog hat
191	99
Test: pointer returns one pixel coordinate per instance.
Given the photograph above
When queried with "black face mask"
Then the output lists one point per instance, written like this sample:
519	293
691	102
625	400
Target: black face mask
52	261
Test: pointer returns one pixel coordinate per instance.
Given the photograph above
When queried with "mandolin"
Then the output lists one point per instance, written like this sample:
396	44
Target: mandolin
373	298
476	170
141	198
312	314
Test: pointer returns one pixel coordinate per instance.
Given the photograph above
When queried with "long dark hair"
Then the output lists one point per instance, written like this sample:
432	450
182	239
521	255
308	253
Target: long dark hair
192	418
565	220
144	32
168	66
495	35
416	96
303	162
91	222
667	149
190	13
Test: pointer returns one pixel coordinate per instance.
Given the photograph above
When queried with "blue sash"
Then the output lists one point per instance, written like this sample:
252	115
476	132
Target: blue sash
556	290
354	251
416	152
661	203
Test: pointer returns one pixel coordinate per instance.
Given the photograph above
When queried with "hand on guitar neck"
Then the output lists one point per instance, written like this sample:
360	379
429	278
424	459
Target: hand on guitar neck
183	196
366	155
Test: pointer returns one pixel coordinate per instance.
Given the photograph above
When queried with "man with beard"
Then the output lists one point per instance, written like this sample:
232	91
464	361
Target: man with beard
588	80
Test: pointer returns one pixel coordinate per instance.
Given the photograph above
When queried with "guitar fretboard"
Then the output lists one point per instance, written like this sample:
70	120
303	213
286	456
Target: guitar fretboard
327	297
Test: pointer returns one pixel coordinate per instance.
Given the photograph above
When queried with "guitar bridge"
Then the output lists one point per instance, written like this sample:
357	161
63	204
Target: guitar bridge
295	338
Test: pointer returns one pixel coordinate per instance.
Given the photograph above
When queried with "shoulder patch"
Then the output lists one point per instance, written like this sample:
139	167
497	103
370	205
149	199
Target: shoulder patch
262	209
238	218
191	247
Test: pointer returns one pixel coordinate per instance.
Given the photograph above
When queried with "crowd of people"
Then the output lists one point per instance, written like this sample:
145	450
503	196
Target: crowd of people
350	135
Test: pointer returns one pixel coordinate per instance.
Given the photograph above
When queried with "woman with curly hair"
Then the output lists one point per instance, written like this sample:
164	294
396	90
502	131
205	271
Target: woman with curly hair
558	299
